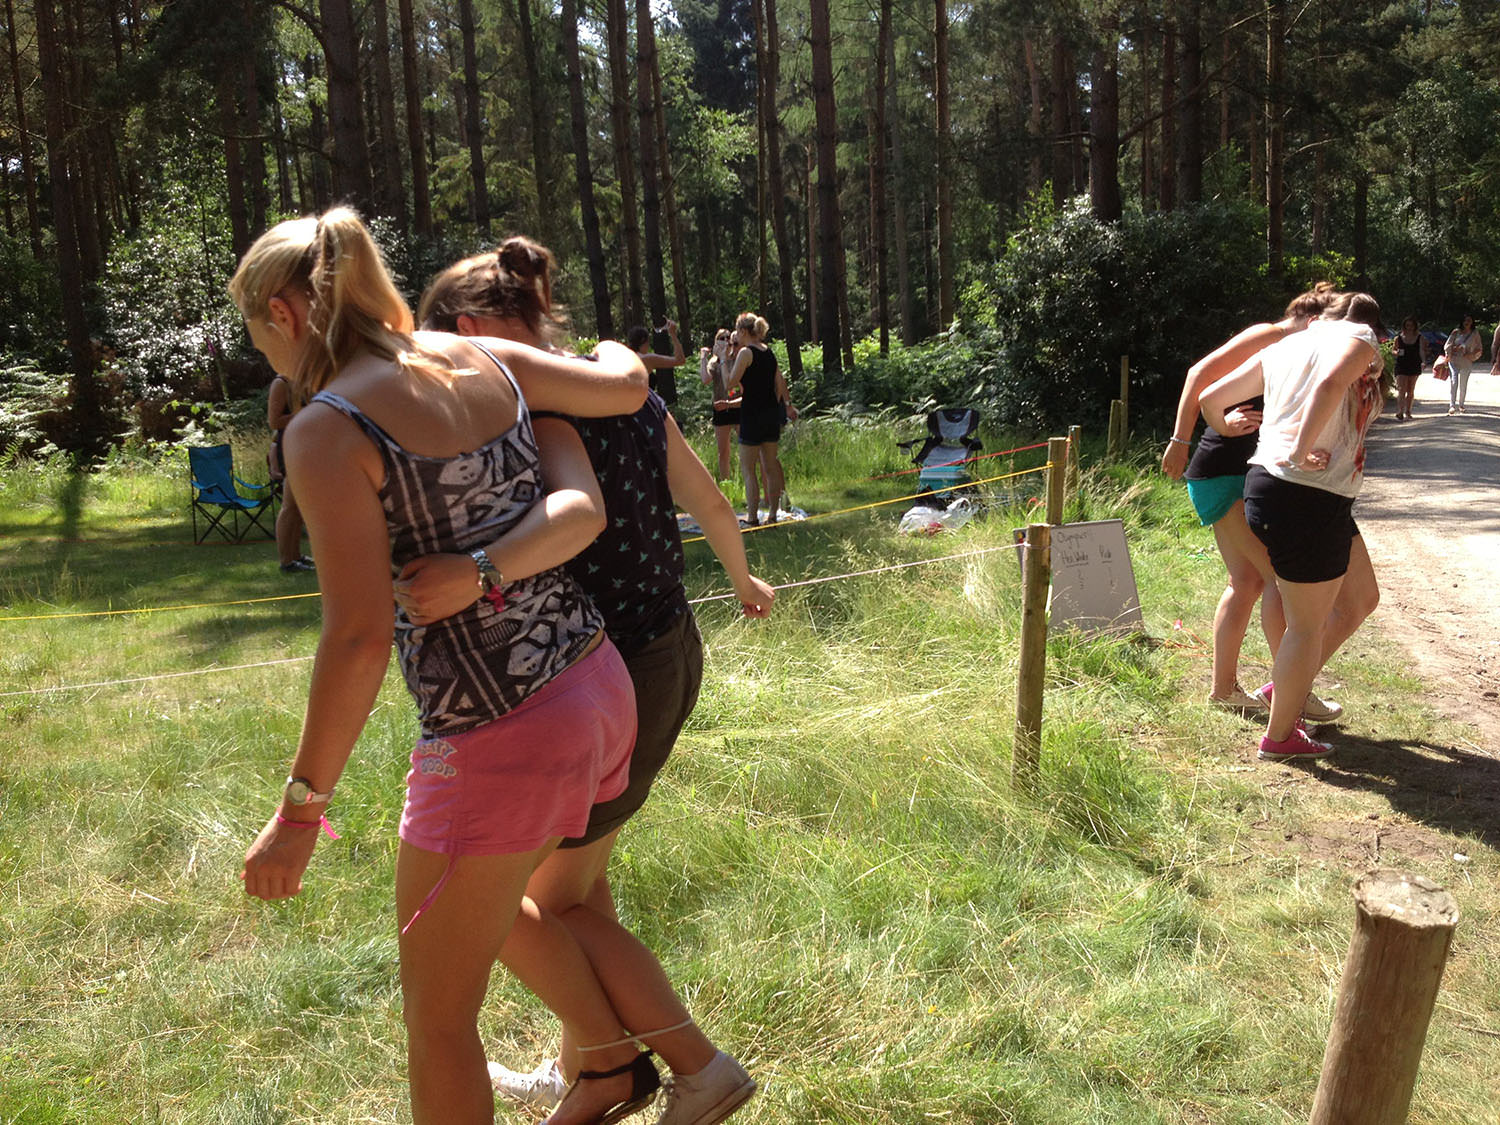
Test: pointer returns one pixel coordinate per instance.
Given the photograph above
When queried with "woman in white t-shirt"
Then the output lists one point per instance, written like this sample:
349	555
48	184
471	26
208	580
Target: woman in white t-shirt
1463	349
1322	392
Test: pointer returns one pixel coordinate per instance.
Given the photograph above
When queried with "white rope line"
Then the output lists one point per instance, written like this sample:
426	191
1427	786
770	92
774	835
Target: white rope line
863	573
304	659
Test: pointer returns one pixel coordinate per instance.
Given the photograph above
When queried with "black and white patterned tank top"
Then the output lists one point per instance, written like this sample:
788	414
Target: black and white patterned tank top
475	666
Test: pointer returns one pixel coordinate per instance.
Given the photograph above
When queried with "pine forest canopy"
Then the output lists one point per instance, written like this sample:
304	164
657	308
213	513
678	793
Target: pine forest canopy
853	171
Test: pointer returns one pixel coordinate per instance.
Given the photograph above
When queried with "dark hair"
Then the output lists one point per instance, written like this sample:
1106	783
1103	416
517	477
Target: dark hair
1358	307
1412	321
636	338
1467	317
513	282
1313	302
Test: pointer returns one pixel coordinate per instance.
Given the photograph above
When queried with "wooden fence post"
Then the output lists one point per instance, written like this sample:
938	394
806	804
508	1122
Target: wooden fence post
1403	928
1075	438
1124	399
1036	572
1116	445
1057	472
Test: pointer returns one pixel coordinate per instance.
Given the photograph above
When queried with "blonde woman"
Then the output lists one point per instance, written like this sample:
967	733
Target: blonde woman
1464	348
765	407
409	441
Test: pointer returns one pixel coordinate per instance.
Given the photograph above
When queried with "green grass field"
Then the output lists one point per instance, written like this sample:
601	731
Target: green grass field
834	867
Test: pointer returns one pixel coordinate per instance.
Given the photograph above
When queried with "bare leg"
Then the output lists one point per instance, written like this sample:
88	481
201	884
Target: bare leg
1300	656
629	972
749	458
1239	549
288	528
446	957
1357	599
723	438
770	465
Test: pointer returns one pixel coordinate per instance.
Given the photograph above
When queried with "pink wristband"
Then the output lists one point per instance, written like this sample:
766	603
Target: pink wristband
321	822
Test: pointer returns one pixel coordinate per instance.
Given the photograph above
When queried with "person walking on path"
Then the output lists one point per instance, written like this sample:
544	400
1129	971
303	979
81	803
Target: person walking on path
1411	356
634	573
661	368
1216	484
410	440
1322	393
1463	349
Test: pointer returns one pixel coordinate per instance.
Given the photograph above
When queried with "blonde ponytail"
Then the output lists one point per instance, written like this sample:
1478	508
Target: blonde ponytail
352	304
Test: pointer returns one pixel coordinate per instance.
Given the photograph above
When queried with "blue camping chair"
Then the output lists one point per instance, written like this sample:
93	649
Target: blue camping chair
216	494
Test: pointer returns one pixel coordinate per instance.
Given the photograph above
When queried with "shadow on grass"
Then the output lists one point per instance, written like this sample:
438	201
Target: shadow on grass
1444	787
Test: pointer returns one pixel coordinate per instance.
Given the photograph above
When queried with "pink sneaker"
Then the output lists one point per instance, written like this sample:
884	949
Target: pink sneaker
1299	746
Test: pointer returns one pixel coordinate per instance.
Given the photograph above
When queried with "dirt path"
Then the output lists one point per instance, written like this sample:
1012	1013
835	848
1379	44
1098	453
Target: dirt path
1430	514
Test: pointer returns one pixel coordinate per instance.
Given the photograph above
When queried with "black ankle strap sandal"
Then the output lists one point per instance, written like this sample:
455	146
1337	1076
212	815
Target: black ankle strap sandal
644	1083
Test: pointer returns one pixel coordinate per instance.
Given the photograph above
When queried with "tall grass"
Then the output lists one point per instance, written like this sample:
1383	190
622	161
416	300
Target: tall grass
833	867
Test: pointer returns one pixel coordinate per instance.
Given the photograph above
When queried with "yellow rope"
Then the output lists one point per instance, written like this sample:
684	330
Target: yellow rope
162	608
882	503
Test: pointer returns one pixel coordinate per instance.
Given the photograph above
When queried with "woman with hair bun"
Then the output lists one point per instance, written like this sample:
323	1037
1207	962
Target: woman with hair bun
1322	393
411	442
634	574
1216	486
765	407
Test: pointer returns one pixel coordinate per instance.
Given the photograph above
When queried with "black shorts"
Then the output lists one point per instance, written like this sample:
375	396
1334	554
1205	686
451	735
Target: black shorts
1307	531
667	674
730	417
760	427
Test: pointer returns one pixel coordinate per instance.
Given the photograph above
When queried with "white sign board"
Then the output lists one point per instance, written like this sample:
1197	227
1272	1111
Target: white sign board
1093	583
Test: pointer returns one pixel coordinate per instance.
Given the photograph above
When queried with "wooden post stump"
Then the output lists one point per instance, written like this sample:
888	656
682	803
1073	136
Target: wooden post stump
1036	573
1403	928
1124	398
1057	471
1075	439
1116	429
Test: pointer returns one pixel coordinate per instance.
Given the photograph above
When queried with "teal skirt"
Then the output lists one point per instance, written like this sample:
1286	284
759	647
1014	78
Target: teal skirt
1212	498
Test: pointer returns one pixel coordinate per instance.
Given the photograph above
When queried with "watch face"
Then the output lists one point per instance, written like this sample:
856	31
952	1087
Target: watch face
298	791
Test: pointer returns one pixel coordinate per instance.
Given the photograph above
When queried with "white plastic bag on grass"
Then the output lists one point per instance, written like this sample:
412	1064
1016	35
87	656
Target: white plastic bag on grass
922	520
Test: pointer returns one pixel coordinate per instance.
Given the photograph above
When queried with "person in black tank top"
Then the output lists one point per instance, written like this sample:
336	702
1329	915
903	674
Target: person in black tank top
633	572
1411	355
1215	475
766	404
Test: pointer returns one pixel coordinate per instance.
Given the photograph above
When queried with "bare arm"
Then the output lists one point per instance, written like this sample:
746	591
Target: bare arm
278	405
333	469
1327	397
695	491
1245	381
1216	364
614	383
784	395
566	520
737	372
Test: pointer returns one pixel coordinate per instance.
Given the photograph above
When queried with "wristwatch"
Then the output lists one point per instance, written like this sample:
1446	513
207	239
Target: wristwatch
490	577
299	791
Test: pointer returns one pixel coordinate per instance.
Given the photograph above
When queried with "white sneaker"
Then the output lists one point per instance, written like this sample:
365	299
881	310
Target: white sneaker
1319	710
1240	700
543	1087
709	1096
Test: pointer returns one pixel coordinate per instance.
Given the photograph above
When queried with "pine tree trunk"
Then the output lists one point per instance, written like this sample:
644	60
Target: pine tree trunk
1148	126
645	47
421	200
947	302
1104	125
810	205
583	171
69	266
777	189
1062	169
346	117
536	104
392	191
28	160
1036	167
1275	134
1190	113
669	207
617	31
1167	181
317	141
473	126
828	172
898	206
234	170
878	141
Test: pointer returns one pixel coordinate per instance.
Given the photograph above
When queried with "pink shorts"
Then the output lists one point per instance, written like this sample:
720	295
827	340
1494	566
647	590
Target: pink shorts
532	774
